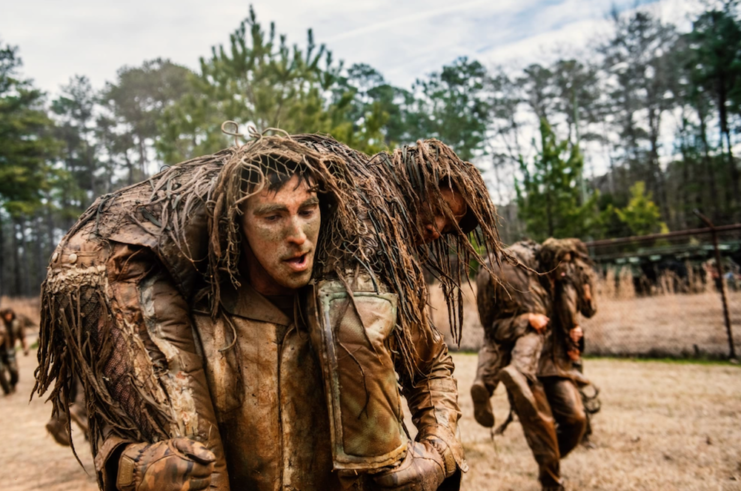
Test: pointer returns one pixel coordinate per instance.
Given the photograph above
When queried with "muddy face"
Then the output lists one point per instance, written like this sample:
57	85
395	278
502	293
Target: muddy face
281	231
436	224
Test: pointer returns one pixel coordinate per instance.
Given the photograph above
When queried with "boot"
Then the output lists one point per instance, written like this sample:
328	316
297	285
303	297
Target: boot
482	410
57	428
519	388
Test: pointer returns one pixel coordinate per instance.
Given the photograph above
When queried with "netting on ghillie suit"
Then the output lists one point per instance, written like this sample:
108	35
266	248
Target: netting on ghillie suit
186	219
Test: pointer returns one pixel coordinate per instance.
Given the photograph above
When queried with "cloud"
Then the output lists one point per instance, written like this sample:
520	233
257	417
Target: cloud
403	40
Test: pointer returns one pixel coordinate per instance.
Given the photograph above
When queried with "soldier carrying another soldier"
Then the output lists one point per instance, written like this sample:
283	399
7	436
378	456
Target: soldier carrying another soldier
249	316
531	341
12	330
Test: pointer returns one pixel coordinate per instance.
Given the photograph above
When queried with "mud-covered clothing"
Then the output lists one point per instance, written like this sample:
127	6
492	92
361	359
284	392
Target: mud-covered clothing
10	333
555	361
544	397
251	387
505	303
9	364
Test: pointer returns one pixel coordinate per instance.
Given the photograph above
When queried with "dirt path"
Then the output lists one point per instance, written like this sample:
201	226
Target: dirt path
29	457
663	426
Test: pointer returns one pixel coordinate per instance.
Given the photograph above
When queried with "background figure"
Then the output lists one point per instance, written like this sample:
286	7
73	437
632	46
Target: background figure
532	340
59	425
12	330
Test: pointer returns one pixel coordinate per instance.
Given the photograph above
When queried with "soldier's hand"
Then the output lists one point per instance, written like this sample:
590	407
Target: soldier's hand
576	334
423	469
539	322
179	464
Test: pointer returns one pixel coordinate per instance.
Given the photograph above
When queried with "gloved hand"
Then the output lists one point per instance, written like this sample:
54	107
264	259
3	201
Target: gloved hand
424	468
179	464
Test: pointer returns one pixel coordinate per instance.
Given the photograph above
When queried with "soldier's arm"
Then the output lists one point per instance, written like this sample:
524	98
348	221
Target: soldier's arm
433	401
143	295
567	310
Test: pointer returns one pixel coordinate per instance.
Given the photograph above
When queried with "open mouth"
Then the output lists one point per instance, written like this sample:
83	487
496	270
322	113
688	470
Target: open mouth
298	263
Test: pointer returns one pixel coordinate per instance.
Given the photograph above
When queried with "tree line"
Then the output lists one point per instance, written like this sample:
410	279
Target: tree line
529	130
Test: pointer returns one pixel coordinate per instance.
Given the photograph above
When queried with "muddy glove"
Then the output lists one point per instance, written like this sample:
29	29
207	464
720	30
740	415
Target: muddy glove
424	468
171	465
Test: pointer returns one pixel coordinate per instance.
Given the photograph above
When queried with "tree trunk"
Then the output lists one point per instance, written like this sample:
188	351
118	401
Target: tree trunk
25	270
38	249
3	289
18	277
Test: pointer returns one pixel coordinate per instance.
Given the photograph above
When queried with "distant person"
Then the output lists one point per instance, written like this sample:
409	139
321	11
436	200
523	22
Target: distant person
531	341
12	331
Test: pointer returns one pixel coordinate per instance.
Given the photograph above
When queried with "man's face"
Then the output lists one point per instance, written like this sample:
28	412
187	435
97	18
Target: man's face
281	229
7	316
433	228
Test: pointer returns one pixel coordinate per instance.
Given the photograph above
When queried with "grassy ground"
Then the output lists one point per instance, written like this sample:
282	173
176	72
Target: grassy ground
663	426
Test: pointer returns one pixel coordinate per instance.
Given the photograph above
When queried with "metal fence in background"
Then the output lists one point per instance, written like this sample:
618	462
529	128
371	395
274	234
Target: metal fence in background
666	295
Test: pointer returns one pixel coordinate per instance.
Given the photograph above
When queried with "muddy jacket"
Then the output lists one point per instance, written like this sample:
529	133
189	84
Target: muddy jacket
504	308
255	387
554	360
506	301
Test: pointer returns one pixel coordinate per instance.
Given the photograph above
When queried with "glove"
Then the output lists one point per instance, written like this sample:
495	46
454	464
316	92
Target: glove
179	464
425	467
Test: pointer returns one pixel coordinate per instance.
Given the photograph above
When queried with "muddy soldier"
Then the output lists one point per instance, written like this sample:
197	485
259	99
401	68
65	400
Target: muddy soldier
219	345
12	331
531	341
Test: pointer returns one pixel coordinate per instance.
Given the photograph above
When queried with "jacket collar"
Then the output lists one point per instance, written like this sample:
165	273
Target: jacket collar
249	303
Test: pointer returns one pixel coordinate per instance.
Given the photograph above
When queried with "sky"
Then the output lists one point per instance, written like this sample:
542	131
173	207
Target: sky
403	39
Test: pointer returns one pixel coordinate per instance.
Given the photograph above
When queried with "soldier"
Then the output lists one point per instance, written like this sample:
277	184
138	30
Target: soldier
12	331
247	314
530	323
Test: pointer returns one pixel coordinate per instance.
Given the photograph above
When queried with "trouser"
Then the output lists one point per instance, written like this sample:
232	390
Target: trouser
490	362
557	429
10	363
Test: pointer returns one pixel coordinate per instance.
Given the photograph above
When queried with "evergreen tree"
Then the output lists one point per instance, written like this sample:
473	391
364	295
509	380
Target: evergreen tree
548	198
641	215
453	107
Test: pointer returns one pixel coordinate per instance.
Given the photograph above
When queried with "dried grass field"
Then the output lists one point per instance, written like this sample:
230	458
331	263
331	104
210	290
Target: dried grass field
664	324
663	426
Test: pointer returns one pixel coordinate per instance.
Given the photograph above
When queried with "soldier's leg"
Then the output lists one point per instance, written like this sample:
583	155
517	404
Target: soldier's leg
487	378
57	428
4	384
531	406
12	363
568	411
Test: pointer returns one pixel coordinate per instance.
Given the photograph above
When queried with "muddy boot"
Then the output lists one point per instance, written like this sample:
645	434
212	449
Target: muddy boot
519	388
482	411
57	428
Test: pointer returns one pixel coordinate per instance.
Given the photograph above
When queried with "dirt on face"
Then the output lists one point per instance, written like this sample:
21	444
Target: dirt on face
281	229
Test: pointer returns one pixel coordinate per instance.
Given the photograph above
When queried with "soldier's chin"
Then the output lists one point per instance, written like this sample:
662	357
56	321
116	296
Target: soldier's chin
298	280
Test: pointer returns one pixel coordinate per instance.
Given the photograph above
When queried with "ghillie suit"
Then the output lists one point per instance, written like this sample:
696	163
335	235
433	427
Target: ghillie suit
556	365
525	360
176	237
12	331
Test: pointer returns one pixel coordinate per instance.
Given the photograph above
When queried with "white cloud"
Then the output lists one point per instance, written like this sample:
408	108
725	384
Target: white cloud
403	39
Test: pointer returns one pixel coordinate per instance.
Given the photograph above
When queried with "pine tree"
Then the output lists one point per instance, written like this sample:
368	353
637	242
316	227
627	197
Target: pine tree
548	198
